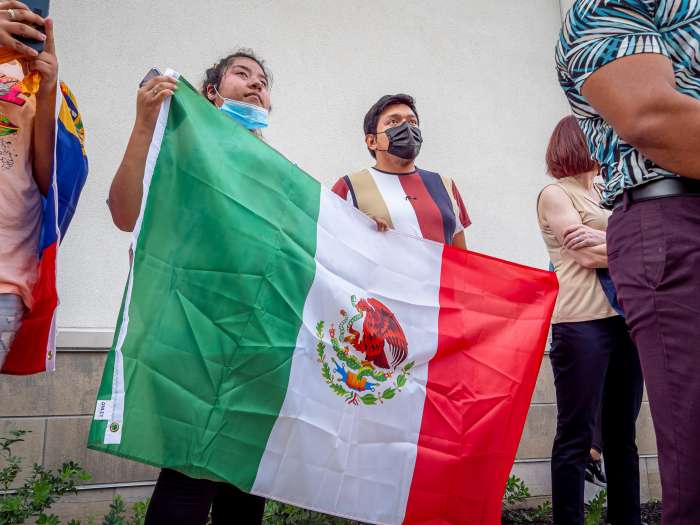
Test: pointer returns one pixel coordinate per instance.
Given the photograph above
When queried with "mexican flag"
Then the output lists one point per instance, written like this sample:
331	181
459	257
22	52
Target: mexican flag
272	338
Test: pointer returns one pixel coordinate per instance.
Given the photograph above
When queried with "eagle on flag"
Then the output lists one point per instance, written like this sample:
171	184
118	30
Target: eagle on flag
382	340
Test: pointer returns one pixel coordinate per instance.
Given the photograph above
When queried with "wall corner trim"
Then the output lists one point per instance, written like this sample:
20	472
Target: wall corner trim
84	339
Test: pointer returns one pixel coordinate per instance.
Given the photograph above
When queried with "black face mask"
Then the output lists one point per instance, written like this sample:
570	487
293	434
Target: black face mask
404	141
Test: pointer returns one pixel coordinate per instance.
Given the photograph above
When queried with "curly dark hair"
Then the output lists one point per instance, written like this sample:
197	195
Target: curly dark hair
212	77
372	116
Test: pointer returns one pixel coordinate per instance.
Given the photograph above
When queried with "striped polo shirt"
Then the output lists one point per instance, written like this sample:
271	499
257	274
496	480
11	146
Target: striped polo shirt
422	203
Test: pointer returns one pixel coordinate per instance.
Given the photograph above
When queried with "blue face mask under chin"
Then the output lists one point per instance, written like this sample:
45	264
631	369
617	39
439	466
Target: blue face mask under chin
247	115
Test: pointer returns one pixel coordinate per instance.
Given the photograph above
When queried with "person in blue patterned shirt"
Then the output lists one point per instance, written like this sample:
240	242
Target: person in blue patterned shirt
631	72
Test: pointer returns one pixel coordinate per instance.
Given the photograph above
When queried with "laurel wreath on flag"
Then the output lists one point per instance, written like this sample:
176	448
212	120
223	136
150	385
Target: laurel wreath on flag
347	376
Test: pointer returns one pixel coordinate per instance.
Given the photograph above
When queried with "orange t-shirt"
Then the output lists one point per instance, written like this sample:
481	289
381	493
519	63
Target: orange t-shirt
20	200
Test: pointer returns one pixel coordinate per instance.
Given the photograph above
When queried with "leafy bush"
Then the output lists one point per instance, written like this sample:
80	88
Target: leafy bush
44	487
517	492
595	510
40	490
277	513
119	515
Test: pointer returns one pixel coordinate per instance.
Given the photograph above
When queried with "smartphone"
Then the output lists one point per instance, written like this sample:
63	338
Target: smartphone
154	72
41	8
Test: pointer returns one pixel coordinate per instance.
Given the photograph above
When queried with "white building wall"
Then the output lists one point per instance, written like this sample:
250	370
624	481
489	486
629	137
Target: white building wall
565	6
482	73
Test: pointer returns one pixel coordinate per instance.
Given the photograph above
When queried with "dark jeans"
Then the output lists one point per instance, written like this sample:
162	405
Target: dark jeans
595	363
597	442
181	500
654	259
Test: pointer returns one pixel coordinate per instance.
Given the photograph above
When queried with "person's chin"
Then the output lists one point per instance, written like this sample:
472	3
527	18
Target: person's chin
404	162
255	101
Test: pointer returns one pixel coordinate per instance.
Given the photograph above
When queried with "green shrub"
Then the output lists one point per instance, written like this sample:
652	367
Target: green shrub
595	510
40	490
43	488
277	513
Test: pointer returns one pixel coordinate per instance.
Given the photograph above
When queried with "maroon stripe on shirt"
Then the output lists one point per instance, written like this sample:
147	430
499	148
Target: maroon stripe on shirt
463	215
341	188
427	211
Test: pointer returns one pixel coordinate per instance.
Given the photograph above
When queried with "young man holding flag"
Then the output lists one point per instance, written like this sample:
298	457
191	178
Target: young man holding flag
396	193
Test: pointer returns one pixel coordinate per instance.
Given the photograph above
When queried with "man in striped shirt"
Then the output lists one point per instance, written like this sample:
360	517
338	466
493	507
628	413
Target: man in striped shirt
396	193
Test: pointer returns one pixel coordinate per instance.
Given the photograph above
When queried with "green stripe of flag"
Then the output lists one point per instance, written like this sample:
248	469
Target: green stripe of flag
208	349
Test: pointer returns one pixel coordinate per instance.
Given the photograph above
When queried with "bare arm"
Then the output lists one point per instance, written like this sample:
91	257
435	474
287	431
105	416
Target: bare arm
44	132
637	96
558	212
126	190
460	241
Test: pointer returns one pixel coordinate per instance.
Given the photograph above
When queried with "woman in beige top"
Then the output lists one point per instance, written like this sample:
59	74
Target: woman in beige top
595	363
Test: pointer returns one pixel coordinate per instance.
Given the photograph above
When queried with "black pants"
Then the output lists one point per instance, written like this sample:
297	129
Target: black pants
597	442
181	500
594	362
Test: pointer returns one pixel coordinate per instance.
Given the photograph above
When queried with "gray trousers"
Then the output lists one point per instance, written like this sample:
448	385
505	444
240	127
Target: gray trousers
11	312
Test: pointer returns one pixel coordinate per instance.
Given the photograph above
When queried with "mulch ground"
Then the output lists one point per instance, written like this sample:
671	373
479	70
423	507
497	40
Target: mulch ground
651	515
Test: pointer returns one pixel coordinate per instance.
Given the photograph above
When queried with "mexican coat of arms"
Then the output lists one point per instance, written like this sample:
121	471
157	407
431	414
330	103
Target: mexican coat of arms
368	366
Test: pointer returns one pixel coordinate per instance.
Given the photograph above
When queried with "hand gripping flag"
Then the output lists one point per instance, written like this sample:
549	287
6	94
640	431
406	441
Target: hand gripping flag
34	347
272	338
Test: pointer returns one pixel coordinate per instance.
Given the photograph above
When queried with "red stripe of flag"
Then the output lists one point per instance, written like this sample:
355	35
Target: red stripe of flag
479	387
28	351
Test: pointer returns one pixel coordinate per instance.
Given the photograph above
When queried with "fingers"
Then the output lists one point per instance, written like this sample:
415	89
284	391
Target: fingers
572	235
48	67
381	225
163	94
49	45
574	238
161	90
577	245
22	14
18	46
157	88
20	29
150	96
12	4
15	20
161	80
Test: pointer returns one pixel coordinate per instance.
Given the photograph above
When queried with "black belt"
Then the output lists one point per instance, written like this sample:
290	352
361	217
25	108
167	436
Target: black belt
657	189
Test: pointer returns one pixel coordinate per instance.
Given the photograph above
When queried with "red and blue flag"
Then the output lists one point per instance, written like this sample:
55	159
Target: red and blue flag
34	347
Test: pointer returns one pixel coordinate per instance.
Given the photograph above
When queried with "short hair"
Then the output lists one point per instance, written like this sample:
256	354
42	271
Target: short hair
567	152
213	75
372	116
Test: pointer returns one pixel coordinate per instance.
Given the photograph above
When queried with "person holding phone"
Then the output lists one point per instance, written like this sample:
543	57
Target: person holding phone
27	134
238	85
